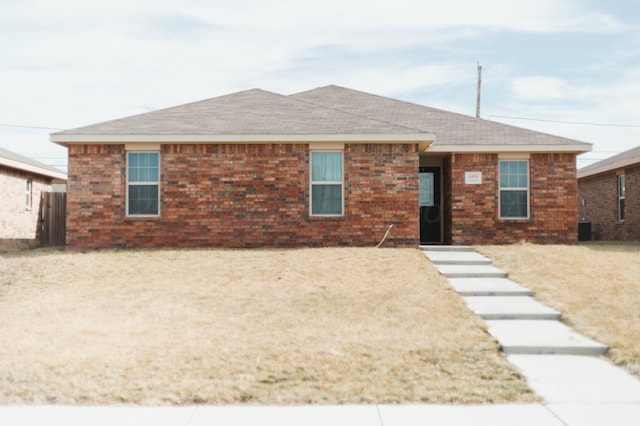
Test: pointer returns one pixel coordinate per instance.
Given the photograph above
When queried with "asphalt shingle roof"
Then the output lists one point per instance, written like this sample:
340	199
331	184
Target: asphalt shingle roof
251	112
450	128
624	159
330	110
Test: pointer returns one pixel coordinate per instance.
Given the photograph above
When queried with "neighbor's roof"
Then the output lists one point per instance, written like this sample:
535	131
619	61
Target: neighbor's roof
253	115
618	161
330	113
454	132
16	161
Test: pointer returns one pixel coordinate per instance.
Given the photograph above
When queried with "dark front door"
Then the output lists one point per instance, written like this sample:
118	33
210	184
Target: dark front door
430	210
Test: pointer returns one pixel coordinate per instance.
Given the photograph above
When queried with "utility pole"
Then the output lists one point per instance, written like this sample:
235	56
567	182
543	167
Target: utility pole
479	90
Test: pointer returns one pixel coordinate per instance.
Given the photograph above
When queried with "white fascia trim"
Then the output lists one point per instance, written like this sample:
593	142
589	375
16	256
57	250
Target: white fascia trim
509	148
608	168
420	138
31	168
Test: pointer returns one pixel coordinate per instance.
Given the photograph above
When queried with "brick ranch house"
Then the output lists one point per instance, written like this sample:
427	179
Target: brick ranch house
609	194
22	180
326	167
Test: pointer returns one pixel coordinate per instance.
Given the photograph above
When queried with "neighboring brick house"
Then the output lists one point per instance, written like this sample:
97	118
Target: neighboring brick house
327	167
609	195
22	180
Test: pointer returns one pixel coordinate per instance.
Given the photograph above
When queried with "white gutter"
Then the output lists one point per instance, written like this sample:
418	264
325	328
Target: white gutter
578	148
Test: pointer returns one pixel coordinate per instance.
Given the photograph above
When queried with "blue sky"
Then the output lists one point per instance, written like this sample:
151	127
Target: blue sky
71	63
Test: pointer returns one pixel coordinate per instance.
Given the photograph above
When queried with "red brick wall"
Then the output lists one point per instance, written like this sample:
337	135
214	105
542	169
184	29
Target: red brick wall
242	196
600	194
553	202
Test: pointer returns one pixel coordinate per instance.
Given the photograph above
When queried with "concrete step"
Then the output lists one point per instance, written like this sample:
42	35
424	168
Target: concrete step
446	248
488	287
456	258
542	337
510	308
566	379
470	271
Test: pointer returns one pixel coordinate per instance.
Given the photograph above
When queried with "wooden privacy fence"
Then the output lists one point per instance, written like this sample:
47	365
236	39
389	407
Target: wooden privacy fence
51	221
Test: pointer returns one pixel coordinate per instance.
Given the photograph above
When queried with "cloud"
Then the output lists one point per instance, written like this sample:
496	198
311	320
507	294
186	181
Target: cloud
74	62
540	88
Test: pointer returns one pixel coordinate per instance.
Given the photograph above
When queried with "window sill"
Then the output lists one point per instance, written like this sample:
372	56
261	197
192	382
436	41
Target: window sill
142	217
332	217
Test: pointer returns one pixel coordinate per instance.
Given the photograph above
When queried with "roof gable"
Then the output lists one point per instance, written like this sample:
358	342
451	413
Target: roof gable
618	161
453	131
19	162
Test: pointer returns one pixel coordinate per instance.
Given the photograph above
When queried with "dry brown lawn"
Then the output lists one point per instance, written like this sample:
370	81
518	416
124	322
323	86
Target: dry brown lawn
274	327
596	286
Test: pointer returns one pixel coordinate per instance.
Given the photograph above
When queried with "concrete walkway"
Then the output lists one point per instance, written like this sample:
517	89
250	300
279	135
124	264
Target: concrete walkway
579	387
365	415
559	414
562	366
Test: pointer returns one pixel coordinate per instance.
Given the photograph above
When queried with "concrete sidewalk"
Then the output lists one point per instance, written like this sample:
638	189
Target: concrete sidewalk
318	415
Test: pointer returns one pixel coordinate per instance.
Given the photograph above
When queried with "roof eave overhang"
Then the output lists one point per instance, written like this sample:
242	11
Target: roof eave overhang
575	148
32	169
608	168
424	140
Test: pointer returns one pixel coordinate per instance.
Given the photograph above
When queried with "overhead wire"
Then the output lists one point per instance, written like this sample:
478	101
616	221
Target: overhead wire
583	123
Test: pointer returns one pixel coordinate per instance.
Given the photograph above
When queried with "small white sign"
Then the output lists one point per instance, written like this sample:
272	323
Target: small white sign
473	178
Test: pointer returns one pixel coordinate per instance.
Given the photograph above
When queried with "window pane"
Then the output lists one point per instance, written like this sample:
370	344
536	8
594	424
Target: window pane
326	199
143	167
326	166
513	174
621	186
133	160
143	199
513	204
28	194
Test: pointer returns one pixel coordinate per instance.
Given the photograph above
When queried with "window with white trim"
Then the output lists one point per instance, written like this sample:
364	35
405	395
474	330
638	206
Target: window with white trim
621	197
143	183
28	193
327	183
514	189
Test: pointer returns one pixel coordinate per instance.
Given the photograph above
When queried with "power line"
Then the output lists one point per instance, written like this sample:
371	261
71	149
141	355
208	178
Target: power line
29	127
567	122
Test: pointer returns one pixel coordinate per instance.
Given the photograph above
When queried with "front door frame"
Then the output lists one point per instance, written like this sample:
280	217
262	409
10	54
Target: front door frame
427	214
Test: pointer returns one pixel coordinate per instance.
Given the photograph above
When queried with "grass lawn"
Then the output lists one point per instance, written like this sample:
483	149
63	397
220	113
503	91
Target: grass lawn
596	286
246	326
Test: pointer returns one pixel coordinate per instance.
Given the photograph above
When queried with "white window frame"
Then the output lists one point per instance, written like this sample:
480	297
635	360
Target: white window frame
29	193
527	189
621	184
325	182
157	183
